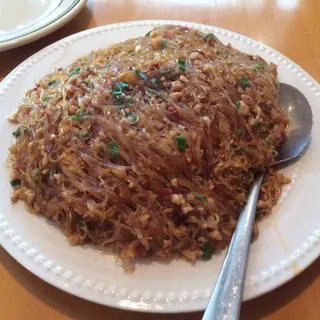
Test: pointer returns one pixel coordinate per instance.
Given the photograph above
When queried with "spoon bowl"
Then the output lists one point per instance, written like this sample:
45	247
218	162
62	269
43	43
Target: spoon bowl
301	122
225	301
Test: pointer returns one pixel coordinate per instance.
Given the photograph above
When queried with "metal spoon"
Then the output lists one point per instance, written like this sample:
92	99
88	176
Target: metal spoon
225	301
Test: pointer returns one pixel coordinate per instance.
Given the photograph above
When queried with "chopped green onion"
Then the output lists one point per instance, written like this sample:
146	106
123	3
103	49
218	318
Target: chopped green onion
243	82
206	251
181	64
155	81
259	215
116	92
141	74
44	98
163	44
237	105
207	35
181	142
233	145
15	182
150	92
117	95
119	100
243	150
17	133
52	82
84	134
129	100
258	66
82	224
268	140
200	197
206	255
258	124
148	33
132	118
113	149
74	71
251	57
240	132
79	116
35	176
164	70
121	85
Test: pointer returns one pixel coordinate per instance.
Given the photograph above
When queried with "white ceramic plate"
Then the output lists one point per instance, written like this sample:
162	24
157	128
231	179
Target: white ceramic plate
24	21
289	239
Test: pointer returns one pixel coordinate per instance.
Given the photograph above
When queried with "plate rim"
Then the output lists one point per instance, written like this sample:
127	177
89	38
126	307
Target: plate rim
52	26
12	242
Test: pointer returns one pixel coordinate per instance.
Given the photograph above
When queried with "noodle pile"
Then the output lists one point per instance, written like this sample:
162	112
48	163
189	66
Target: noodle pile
149	147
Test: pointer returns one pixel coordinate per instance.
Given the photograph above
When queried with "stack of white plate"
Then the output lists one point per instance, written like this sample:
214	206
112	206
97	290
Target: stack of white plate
24	21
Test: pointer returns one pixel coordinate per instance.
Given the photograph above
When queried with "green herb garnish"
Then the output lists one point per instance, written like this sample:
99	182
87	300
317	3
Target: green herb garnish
207	35
233	145
237	105
116	92
132	117
15	182
200	197
206	251
243	150
17	133
79	116
82	224
129	100
121	85
164	70
113	149
240	132
268	140
259	215
52	82
148	33
118	100
117	95
155	81
163	44
150	92
84	134
181	142
35	176
74	71
258	66
44	98
181	64
251	57
258	124
141	74
243	82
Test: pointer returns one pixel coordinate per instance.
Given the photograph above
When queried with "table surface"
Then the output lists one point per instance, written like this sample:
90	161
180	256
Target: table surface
289	26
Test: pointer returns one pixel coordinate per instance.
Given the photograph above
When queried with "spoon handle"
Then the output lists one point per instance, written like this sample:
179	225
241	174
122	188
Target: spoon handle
225	300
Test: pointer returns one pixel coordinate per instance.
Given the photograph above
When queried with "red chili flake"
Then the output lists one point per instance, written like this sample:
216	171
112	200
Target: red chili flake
37	86
154	66
164	192
173	114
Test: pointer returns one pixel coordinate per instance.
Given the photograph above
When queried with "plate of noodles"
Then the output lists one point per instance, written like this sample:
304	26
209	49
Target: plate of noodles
128	151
